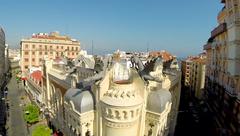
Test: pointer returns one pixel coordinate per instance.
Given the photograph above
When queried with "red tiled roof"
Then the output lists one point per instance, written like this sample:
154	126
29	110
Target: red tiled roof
164	54
37	75
51	37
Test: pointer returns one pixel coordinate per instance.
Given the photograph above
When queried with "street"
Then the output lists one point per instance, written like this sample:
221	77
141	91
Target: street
16	124
193	118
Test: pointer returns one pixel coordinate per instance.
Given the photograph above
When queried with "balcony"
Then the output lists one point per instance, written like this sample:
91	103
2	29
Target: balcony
219	29
238	96
231	91
222	14
207	46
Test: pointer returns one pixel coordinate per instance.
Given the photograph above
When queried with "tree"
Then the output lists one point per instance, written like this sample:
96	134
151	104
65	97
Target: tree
31	114
41	130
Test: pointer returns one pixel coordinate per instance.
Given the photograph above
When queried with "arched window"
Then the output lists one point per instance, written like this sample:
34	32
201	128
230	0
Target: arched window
88	133
150	131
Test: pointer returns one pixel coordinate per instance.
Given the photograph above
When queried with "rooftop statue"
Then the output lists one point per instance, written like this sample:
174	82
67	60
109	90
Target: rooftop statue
158	69
137	63
90	80
174	64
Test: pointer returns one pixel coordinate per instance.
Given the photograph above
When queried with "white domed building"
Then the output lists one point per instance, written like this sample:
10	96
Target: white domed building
118	100
124	101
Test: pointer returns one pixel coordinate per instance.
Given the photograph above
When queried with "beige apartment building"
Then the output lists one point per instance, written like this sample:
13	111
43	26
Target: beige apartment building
43	45
197	77
186	69
193	74
223	69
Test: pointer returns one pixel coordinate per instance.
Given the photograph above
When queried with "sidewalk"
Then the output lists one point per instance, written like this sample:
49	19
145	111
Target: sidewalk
15	124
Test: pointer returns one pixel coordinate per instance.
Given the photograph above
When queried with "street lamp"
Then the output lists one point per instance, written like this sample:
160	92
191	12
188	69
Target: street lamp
27	113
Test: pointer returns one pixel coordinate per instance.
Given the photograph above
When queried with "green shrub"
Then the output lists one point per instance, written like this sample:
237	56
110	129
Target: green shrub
31	114
41	130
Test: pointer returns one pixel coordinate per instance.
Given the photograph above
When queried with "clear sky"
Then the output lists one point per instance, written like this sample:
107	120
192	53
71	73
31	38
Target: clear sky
179	26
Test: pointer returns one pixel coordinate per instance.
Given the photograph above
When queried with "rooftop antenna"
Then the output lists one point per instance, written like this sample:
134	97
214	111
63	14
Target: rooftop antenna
147	46
92	47
66	29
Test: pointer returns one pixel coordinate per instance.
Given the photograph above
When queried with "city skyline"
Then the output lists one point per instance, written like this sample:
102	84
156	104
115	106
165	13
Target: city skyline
129	26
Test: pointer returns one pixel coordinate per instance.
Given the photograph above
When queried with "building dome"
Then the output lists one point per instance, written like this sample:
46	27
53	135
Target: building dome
157	100
82	99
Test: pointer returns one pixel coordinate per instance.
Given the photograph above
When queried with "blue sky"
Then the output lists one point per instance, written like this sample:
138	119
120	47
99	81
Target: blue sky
179	26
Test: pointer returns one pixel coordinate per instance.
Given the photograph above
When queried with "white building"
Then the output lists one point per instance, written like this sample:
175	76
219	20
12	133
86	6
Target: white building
116	101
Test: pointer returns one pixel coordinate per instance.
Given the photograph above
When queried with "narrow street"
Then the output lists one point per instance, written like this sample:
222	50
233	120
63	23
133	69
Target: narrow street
16	124
193	118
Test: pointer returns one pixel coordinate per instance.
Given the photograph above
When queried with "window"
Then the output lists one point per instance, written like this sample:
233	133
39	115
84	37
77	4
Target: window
26	67
57	47
72	53
72	48
76	48
40	53
33	53
40	46
68	48
50	47
26	52
51	52
45	47
33	59
88	133
45	53
61	47
26	59
26	46
33	46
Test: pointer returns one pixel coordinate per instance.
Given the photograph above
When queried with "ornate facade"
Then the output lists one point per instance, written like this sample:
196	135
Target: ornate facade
222	69
115	101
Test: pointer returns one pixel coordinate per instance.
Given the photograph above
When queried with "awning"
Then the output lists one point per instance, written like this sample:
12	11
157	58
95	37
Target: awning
24	78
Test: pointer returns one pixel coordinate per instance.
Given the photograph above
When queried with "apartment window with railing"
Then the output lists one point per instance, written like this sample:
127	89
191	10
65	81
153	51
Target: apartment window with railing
40	53
33	46
33	53
33	60
26	59
26	53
